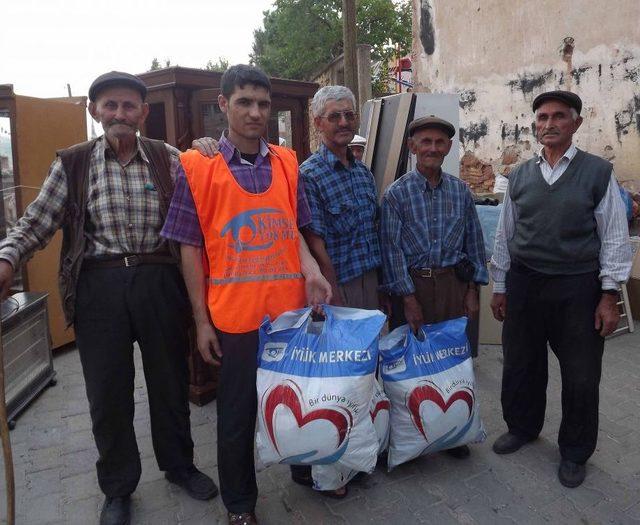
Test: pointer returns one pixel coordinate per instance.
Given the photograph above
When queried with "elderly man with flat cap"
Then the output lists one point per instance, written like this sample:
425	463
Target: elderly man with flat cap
431	241
561	252
119	283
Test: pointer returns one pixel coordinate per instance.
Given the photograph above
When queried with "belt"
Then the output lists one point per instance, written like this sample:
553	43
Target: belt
429	273
126	261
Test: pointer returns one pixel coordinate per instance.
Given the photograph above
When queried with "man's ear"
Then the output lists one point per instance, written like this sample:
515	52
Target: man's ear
92	111
145	112
449	147
223	103
411	145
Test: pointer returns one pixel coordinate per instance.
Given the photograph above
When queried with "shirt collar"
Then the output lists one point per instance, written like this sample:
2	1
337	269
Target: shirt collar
104	147
332	159
228	149
421	180
569	154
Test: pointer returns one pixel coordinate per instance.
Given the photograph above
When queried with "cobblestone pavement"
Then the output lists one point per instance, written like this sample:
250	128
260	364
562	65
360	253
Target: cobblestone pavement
54	458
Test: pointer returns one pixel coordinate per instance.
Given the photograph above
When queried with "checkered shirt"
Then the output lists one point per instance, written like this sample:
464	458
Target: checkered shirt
343	212
123	208
424	227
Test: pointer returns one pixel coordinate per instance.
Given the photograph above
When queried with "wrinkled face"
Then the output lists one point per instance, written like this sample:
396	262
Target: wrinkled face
247	109
358	152
120	110
338	123
430	146
555	125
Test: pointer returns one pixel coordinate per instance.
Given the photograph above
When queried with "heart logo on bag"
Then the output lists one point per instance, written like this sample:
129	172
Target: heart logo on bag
290	396
380	405
429	392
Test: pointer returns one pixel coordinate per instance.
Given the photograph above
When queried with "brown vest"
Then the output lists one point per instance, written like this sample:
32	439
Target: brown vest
75	161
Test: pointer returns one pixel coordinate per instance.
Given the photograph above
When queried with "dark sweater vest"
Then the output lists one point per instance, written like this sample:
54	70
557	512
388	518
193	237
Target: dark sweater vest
555	231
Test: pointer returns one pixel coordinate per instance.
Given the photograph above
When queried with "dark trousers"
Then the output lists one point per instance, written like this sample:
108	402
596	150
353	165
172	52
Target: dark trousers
114	308
237	407
558	310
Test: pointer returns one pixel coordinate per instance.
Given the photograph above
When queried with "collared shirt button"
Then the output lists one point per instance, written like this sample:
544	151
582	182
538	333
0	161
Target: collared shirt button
130	225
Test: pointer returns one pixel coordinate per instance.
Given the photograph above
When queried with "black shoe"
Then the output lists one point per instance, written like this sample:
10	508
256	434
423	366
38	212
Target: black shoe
198	485
508	443
116	511
571	474
246	518
459	452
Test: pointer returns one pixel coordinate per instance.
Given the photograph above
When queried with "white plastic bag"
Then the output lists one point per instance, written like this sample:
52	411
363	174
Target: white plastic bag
315	384
336	475
431	386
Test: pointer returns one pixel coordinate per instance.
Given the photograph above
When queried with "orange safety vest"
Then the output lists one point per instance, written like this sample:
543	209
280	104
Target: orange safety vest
251	240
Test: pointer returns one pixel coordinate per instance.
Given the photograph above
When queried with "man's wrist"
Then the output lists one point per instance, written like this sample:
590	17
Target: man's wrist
408	298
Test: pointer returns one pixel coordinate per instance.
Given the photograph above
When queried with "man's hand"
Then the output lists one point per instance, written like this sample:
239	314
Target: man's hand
384	303
206	146
318	290
6	278
413	313
499	306
607	314
471	303
207	340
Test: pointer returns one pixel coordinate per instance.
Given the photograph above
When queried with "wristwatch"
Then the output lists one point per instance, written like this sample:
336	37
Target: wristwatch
610	292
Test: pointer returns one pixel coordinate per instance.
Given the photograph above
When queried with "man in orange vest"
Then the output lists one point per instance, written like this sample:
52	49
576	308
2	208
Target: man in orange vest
237	216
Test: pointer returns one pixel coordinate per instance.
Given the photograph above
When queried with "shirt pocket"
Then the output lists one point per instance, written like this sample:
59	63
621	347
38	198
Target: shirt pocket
453	231
343	216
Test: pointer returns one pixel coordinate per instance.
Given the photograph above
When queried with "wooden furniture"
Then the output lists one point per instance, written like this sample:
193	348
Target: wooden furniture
36	129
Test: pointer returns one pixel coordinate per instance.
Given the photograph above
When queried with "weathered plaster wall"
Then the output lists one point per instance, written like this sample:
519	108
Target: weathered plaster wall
499	54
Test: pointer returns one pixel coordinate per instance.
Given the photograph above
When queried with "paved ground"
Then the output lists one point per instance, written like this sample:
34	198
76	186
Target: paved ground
54	459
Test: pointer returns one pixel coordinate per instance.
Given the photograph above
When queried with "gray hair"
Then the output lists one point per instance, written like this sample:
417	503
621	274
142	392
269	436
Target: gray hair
573	111
327	93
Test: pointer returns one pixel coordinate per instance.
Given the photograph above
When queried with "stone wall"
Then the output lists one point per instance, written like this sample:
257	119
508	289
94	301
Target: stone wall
499	54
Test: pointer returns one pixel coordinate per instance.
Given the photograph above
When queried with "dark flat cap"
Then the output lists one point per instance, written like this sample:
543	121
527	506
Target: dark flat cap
432	122
570	99
116	78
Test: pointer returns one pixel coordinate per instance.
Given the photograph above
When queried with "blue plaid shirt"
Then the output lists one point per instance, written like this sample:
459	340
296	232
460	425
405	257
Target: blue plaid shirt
423	227
343	212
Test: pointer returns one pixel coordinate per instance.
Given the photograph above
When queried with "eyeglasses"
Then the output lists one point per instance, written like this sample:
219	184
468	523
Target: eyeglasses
335	117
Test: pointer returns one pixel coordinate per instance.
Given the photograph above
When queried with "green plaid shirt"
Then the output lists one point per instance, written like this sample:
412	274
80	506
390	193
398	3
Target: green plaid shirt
123	208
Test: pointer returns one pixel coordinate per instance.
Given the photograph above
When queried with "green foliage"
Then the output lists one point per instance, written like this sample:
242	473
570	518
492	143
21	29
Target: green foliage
302	36
155	64
220	65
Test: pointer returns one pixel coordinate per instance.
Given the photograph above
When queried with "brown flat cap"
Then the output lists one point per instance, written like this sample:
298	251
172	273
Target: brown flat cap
432	122
570	99
116	78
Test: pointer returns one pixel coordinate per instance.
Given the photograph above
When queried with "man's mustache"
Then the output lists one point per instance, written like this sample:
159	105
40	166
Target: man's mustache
121	122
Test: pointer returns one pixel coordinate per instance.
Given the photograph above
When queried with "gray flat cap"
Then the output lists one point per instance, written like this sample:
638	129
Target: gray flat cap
116	78
432	122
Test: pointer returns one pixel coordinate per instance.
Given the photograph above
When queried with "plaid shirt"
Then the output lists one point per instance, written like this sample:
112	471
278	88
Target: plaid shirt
343	212
182	224
123	209
423	227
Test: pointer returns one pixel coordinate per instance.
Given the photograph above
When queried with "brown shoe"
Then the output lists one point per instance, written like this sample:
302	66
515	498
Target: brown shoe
245	518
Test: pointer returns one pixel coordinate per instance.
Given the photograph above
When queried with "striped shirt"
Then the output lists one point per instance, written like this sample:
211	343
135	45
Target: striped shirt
611	225
344	212
425	227
182	224
123	208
